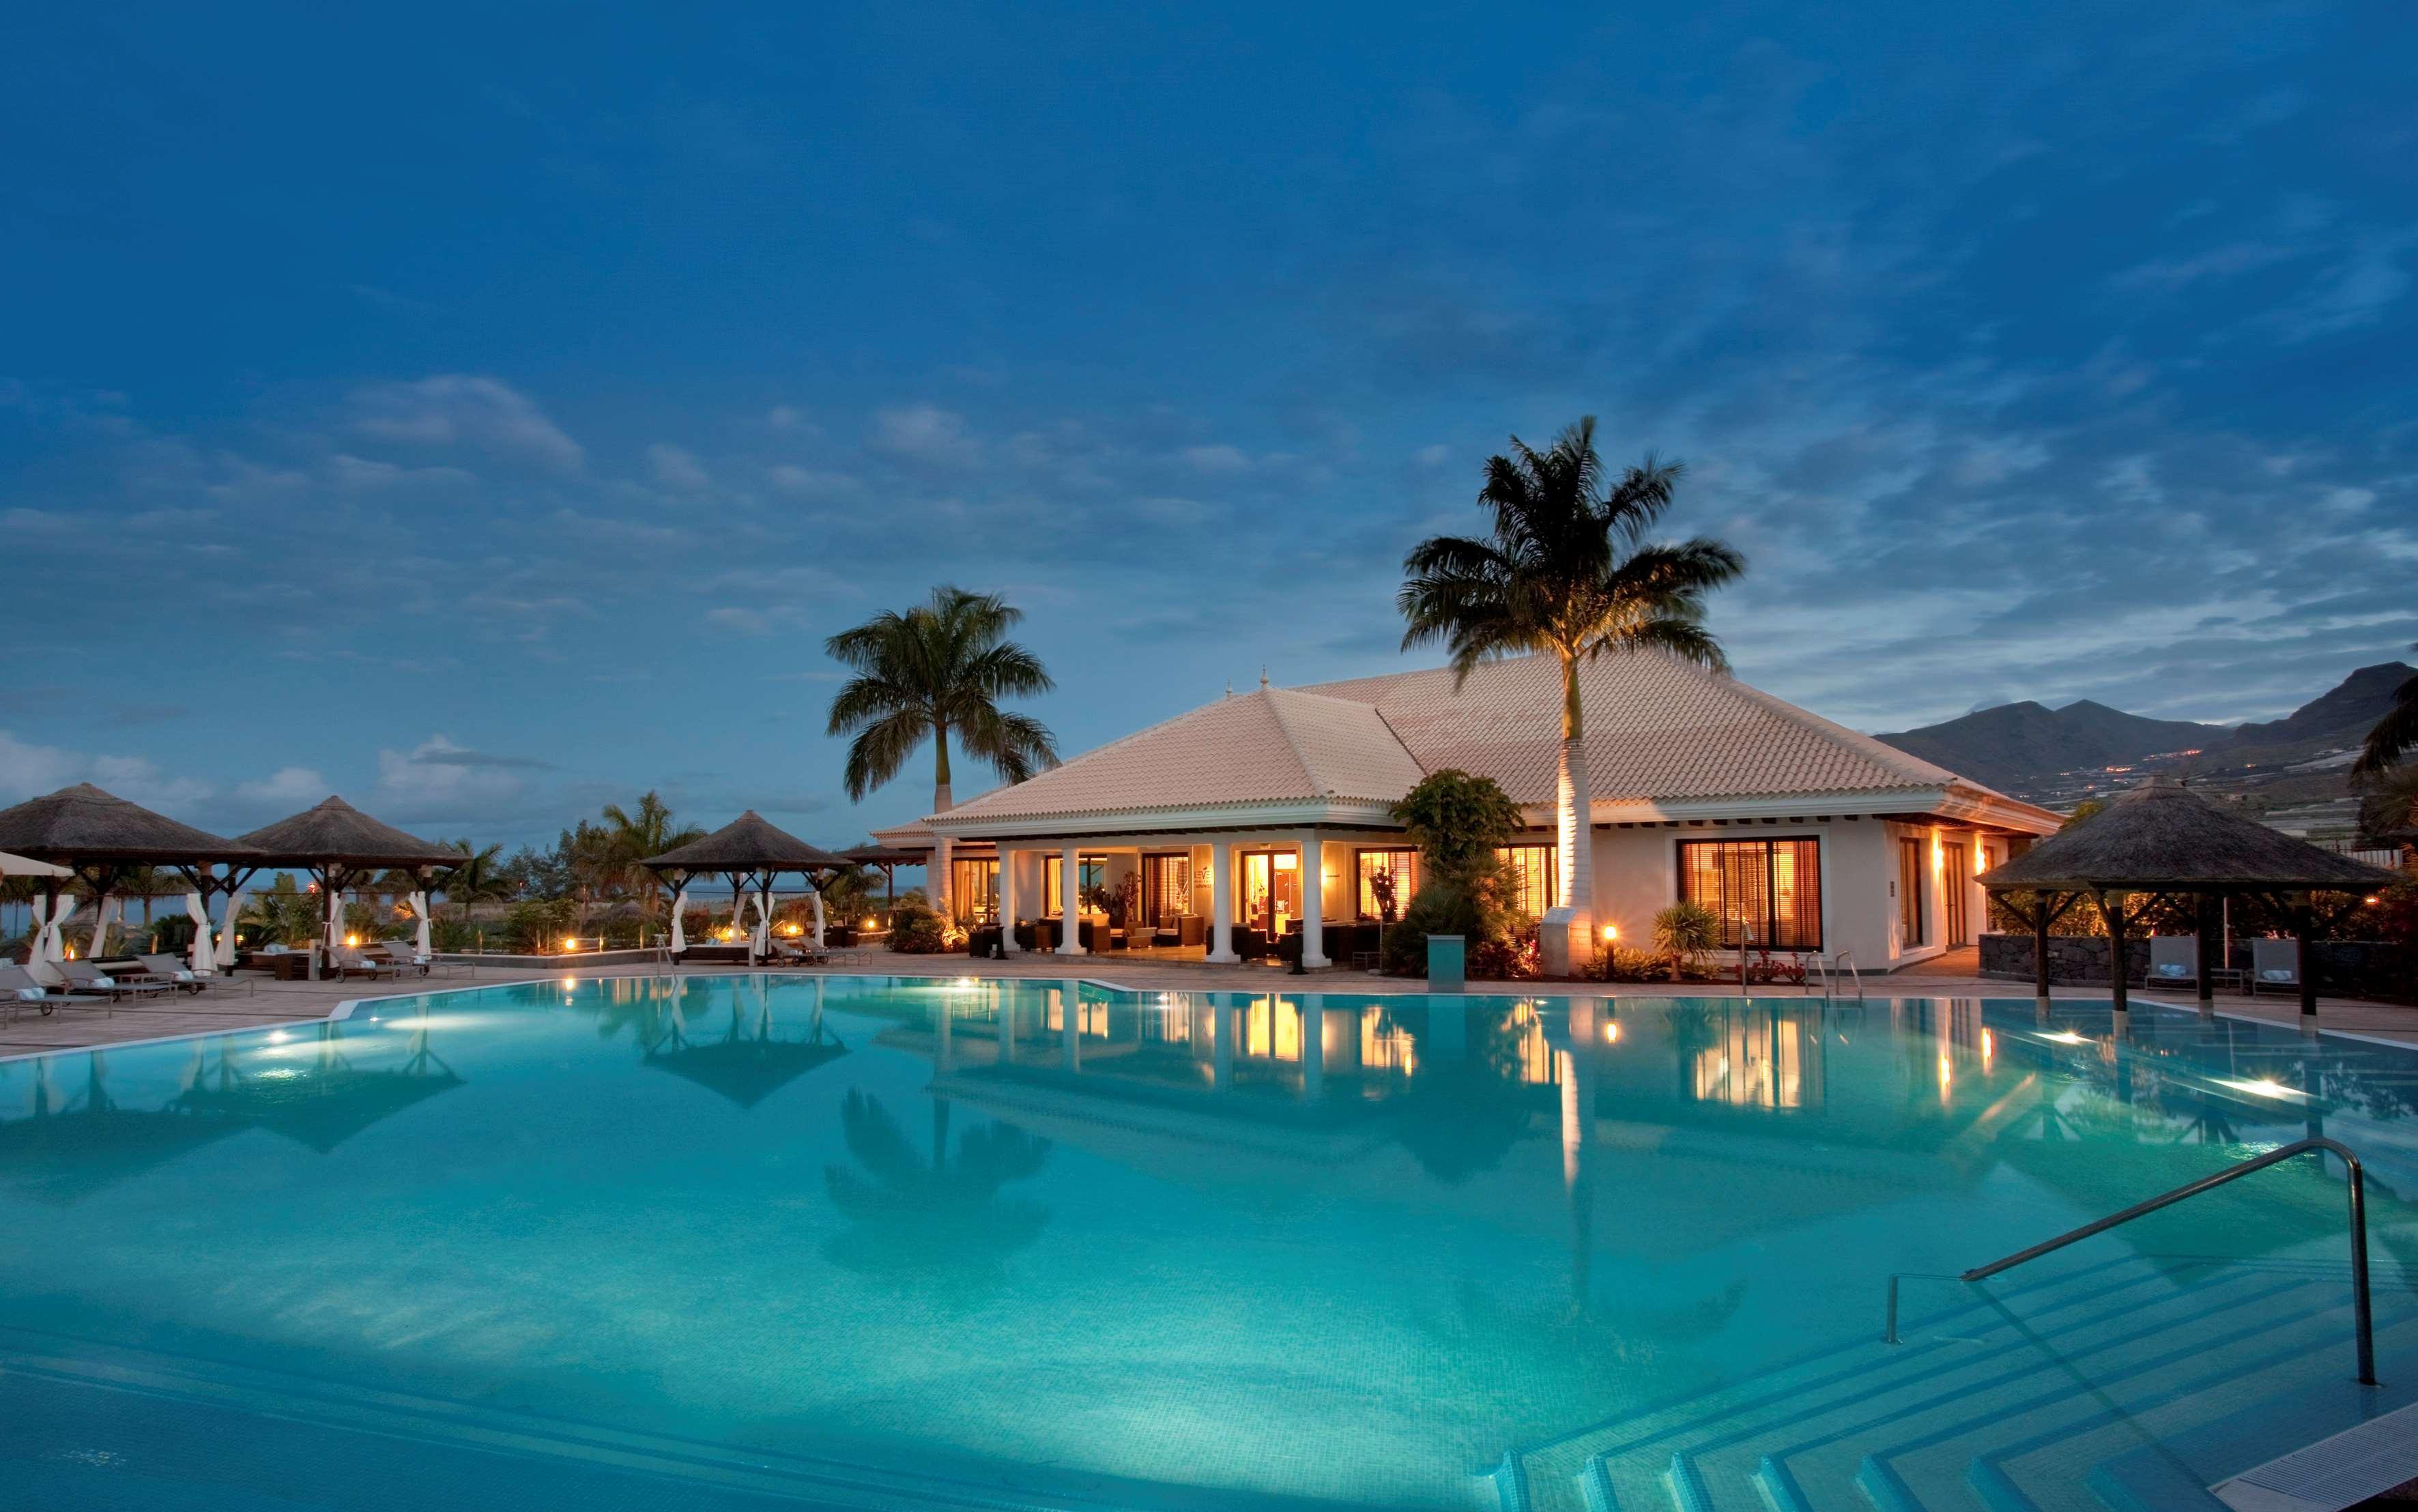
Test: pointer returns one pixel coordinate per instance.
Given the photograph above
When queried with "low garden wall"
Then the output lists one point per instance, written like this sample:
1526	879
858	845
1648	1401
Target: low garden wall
2345	967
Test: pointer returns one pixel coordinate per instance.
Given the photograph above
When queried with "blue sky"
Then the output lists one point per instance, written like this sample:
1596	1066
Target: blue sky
487	413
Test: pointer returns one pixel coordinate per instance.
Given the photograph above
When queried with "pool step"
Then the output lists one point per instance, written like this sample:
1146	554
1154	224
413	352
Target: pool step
1981	1410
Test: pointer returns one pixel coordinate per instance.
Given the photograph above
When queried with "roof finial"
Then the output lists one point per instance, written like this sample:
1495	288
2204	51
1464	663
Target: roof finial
1230	687
1264	677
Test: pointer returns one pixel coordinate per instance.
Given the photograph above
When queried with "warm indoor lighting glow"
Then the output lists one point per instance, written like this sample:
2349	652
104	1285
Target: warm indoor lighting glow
1287	861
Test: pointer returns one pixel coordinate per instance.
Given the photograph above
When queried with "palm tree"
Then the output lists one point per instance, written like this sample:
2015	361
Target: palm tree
478	876
939	669
650	831
2395	736
1567	570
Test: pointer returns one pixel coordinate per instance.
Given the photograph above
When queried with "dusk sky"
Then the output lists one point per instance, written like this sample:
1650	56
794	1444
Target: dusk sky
487	413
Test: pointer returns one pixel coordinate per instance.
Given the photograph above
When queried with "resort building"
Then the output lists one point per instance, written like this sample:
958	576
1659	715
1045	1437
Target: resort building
1259	825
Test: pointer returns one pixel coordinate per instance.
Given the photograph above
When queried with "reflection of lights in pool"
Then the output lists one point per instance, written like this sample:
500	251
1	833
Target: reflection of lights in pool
1989	1047
2064	1036
2264	1087
1612	1034
278	1036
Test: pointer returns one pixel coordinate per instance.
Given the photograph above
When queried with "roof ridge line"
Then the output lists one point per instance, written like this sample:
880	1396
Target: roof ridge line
1318	788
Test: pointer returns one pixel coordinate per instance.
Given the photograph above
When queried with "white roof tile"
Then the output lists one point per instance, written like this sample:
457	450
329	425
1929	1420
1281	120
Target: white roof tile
1658	729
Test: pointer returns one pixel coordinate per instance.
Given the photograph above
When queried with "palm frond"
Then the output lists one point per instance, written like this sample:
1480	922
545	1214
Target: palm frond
2395	736
880	749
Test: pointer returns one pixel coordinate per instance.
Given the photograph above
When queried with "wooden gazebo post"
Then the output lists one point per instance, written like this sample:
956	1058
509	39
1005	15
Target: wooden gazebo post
2305	930
2208	925
2119	970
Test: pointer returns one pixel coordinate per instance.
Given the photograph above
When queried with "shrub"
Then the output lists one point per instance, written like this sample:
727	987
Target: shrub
1686	933
916	930
1445	907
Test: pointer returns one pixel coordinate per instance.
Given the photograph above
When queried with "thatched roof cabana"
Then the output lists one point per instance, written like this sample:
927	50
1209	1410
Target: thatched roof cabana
336	833
751	851
340	846
82	825
100	837
2164	841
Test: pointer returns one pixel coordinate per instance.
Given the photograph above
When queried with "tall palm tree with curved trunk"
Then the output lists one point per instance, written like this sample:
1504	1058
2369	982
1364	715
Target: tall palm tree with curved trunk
1567	571
936	671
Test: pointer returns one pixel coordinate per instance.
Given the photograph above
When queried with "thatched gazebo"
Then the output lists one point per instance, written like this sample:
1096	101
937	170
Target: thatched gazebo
341	847
100	837
2162	842
751	851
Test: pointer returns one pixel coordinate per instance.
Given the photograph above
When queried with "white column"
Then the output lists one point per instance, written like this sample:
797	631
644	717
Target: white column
1070	903
1222	902
1007	945
1313	904
936	880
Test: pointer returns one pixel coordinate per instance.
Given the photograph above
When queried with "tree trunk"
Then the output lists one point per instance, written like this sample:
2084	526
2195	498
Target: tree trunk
1573	807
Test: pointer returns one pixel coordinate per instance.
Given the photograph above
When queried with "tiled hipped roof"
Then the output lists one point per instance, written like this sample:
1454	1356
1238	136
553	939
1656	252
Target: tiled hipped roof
1269	746
1657	730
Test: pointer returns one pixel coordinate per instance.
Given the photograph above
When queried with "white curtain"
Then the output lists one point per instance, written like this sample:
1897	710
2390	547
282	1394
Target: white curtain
335	917
680	924
42	930
420	911
200	955
764	935
817	896
55	934
102	918
227	916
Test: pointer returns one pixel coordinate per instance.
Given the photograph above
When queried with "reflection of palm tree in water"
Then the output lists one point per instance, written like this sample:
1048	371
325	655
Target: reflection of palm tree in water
941	1218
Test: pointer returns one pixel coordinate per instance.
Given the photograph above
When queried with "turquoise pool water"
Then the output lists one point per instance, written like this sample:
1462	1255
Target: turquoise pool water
564	1243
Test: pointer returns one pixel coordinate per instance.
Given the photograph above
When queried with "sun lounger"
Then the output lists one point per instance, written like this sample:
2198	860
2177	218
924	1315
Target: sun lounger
19	986
2274	963
2174	960
404	958
85	977
786	955
172	968
353	963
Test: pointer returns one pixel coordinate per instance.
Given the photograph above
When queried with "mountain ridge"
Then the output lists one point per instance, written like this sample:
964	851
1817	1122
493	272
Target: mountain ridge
2029	750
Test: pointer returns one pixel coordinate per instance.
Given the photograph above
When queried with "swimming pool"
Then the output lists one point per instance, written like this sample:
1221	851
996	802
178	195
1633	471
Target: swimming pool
631	1242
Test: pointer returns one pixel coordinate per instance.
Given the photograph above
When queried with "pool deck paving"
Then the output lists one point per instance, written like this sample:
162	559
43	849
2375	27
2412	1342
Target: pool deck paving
254	1002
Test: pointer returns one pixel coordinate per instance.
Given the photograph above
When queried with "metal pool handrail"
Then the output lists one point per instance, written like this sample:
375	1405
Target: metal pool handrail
2361	1314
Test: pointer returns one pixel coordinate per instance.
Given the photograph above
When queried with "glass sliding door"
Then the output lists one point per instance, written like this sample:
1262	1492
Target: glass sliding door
973	891
1767	893
1166	889
1959	872
1271	892
1909	892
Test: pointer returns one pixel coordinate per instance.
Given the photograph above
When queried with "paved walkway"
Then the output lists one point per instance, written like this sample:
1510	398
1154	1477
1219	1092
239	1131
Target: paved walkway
251	1002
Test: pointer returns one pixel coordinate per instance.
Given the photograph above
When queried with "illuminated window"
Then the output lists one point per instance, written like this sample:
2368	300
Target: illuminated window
973	891
1401	866
1534	875
1772	888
